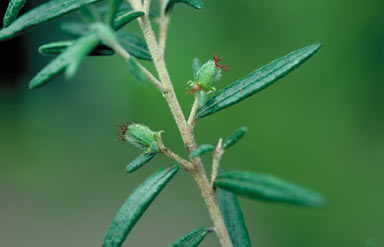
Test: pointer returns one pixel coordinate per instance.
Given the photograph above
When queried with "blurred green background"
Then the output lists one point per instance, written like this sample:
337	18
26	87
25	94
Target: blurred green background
62	170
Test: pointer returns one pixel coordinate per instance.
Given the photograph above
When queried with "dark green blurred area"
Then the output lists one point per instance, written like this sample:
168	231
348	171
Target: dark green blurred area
62	170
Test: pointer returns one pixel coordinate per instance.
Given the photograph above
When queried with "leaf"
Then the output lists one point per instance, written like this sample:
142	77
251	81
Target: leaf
133	45
196	4
141	160
135	206
233	218
124	17
81	50
196	65
110	15
257	80
193	238
202	149
72	54
74	29
12	11
135	70
235	137
58	47
268	188
42	14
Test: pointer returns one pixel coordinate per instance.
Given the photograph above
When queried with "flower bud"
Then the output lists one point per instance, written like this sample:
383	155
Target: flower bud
208	75
139	135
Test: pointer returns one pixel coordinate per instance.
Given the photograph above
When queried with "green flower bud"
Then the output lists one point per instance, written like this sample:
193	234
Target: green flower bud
207	75
140	136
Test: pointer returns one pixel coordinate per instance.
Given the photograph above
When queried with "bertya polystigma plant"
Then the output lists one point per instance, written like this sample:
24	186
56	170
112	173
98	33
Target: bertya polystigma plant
103	35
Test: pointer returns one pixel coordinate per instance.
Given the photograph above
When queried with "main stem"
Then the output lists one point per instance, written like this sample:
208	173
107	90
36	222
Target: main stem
186	132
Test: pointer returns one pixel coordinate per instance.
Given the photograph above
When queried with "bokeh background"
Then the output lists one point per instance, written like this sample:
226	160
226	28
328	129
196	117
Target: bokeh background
62	170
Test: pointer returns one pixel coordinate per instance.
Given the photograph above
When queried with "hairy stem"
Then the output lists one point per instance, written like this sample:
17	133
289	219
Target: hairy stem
185	130
192	115
216	160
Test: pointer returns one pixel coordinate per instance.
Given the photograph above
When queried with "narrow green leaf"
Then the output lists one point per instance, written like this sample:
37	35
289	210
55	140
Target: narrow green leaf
12	11
110	15
135	70
58	47
124	17
202	149
196	65
141	160
135	206
74	29
196	4
268	188
72	54
42	14
193	238
82	50
133	45
233	218
257	80
235	137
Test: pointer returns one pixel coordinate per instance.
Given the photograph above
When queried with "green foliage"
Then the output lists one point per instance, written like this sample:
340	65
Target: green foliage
55	48
233	218
196	4
124	17
268	188
110	15
105	37
141	160
12	11
193	238
135	206
44	13
68	60
235	137
202	149
257	80
133	45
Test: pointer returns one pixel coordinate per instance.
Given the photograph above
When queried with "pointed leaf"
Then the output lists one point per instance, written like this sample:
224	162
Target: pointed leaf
133	45
72	54
13	11
235	137
135	206
257	80
233	218
58	47
135	70
193	238
196	4
202	149
124	17
44	13
196	65
141	160
268	188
